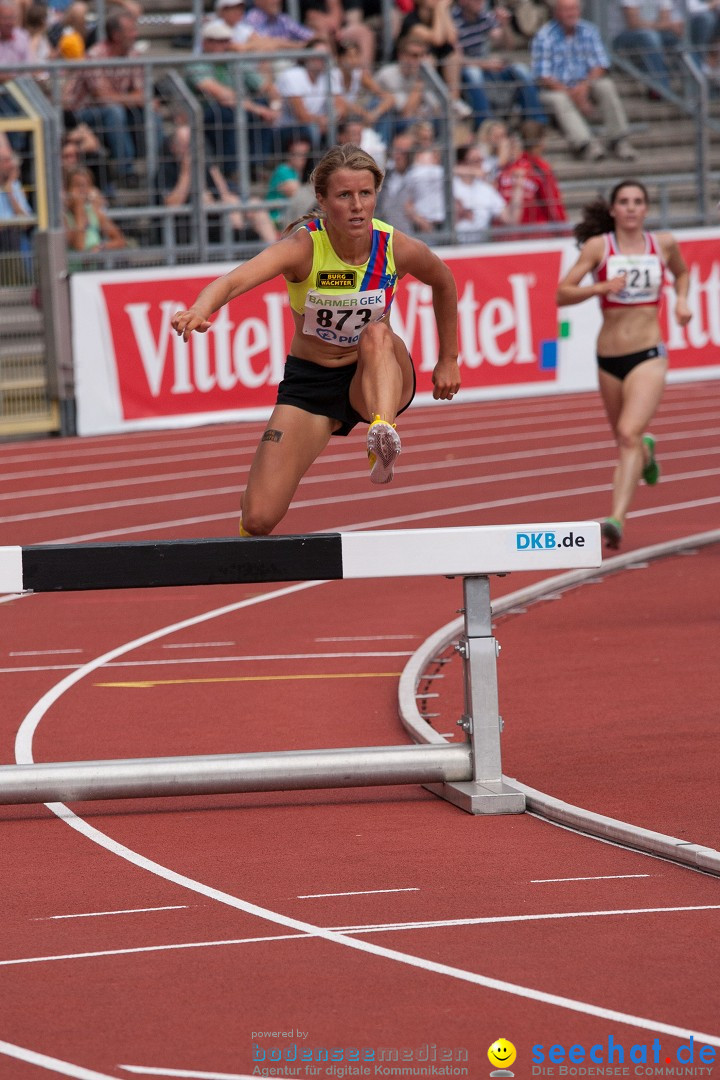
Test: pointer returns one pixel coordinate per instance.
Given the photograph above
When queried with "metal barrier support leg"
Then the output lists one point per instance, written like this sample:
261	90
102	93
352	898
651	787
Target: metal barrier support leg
487	793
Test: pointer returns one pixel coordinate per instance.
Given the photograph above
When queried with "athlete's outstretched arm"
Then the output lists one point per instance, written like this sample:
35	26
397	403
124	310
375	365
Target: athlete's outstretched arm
291	256
415	258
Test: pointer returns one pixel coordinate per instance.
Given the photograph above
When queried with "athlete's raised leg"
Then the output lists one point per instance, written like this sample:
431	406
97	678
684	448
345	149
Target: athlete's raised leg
382	385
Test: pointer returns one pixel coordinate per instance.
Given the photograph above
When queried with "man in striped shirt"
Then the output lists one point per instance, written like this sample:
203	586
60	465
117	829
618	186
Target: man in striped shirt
570	64
480	28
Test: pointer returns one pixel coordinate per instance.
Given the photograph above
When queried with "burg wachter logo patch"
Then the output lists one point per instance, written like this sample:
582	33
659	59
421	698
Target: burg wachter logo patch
336	279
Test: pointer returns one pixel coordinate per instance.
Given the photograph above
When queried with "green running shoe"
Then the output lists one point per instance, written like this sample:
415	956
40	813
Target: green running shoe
611	532
651	472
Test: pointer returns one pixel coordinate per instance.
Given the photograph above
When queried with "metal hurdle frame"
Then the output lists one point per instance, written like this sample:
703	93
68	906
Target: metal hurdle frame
468	774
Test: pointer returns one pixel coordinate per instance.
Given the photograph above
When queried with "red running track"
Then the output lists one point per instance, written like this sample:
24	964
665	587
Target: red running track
153	938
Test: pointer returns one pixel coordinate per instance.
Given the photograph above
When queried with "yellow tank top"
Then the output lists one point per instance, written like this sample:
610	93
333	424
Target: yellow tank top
338	300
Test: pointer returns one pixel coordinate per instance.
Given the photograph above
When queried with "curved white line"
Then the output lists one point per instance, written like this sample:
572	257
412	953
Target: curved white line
60	1068
24	756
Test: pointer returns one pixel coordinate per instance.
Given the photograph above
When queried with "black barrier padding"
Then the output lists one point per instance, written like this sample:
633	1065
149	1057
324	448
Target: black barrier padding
150	563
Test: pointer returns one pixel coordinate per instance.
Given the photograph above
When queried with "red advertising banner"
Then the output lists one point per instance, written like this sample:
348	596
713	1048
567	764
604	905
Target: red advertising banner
133	371
699	342
507	321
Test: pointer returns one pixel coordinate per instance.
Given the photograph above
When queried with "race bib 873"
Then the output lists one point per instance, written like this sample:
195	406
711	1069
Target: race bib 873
341	319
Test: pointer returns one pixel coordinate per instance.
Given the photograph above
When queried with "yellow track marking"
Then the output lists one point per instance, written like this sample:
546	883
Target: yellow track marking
148	683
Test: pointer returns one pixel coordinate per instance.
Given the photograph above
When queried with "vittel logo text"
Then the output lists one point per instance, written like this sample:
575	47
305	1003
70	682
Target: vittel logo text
548	541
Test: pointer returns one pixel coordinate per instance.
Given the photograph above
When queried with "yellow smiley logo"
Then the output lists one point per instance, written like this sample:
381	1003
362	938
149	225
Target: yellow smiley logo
502	1054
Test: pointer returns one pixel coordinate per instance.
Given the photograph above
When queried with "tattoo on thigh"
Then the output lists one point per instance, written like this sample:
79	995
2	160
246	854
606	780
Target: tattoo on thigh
272	435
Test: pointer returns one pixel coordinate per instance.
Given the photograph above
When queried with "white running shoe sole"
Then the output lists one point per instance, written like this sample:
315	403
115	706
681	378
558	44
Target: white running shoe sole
383	447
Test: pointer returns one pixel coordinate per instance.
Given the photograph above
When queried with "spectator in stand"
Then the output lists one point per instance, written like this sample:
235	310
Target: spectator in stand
363	95
704	32
649	32
81	146
312	96
391	203
14	41
14	239
424	190
541	199
329	19
111	100
570	63
244	37
496	144
478	204
70	32
212	80
174	188
14	49
289	177
352	130
87	226
36	24
403	79
431	21
527	16
481	28
267	18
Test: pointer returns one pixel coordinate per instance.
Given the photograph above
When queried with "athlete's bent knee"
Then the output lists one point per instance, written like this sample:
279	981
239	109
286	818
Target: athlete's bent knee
627	439
256	522
374	339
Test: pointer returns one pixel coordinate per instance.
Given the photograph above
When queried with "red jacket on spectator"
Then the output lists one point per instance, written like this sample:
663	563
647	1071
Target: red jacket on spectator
542	200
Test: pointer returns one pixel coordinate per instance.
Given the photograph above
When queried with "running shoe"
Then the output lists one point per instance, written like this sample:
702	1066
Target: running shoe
651	472
383	448
611	531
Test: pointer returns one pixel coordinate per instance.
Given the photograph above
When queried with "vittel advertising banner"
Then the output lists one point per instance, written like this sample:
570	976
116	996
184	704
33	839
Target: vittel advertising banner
133	372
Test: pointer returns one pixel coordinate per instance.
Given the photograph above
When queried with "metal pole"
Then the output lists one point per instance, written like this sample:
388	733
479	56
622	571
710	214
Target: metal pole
290	770
488	793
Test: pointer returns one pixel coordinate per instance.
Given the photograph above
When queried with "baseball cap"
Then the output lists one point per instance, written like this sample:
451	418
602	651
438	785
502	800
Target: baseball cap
217	31
220	4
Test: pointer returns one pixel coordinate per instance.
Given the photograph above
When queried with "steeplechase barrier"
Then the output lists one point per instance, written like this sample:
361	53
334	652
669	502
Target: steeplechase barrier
468	774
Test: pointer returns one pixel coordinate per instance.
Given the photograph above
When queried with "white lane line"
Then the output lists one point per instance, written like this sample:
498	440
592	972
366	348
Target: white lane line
55	1065
370	928
357	892
193	1074
492	920
408	466
201	645
376	523
162	662
450	511
371	637
597	877
45	652
140	949
366	493
122	911
679	397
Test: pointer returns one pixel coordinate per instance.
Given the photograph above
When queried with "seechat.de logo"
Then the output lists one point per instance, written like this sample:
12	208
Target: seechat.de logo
548	541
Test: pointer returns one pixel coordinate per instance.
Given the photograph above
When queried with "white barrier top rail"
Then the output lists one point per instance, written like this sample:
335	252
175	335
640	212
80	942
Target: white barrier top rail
482	549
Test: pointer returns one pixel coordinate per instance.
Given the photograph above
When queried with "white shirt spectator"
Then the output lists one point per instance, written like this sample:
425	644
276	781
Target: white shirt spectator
482	203
296	82
425	191
648	10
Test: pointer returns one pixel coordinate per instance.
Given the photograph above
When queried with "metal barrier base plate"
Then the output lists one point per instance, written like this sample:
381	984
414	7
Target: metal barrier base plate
482	798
